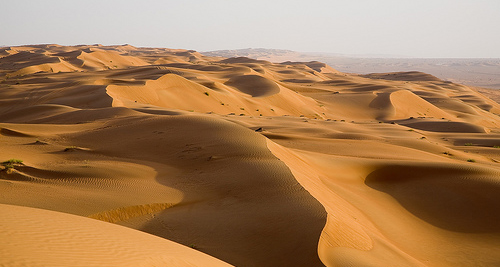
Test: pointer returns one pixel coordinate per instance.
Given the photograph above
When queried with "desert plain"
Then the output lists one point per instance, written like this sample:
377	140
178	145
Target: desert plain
126	156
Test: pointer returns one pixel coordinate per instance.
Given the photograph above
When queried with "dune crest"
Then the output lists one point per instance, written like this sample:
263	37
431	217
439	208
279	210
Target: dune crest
254	85
247	95
406	104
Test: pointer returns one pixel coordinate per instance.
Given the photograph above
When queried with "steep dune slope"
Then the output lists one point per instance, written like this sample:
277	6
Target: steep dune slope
239	176
435	204
245	94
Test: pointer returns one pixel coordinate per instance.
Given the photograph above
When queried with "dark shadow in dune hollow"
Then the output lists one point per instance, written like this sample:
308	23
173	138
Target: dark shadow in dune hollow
450	197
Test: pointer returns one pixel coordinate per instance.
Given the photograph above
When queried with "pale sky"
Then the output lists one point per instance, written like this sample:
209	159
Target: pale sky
416	28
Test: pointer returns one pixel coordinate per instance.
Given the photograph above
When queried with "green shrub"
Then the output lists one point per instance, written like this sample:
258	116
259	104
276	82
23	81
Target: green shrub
12	161
9	165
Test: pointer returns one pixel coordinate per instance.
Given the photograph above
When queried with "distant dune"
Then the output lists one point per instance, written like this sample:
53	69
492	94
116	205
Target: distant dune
482	72
241	161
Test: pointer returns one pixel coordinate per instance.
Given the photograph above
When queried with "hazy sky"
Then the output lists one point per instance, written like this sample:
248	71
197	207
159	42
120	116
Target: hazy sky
419	28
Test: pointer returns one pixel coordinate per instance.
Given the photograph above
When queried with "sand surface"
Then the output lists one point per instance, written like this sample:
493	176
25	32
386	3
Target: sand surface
483	72
239	161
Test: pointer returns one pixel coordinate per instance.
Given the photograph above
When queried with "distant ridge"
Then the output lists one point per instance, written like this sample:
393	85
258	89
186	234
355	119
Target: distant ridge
470	71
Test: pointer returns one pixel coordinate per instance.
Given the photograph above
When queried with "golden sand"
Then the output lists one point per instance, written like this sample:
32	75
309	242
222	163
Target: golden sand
251	162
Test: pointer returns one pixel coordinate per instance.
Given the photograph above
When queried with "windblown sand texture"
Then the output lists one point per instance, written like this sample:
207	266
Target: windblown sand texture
238	161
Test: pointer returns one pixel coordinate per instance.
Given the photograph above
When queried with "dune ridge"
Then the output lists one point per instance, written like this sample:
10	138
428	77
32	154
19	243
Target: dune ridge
251	162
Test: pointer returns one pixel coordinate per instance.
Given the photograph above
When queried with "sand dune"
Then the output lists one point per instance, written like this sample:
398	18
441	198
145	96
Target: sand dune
34	237
254	85
471	71
251	162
